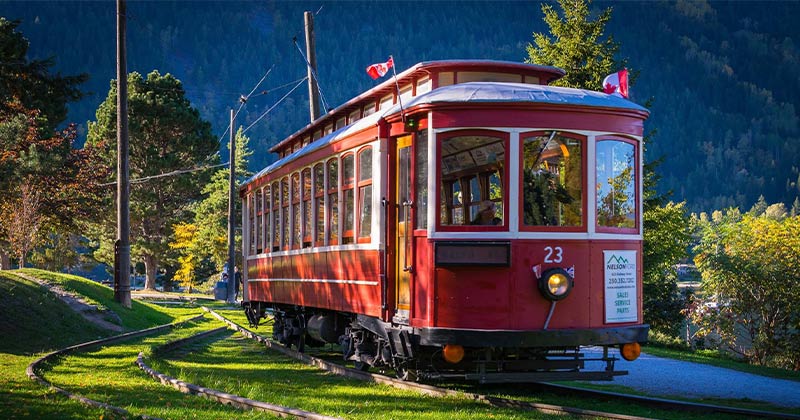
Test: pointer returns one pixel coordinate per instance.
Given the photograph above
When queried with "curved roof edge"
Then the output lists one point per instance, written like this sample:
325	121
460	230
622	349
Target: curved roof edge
546	73
472	92
517	93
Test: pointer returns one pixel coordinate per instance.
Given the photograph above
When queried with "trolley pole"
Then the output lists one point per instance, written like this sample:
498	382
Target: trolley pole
311	53
232	217
122	254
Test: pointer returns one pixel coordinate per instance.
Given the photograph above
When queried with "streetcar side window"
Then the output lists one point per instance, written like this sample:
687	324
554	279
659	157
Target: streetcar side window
616	185
472	179
365	194
319	204
348	197
552	180
276	219
332	224
421	179
297	238
258	234
267	217
251	211
285	220
307	216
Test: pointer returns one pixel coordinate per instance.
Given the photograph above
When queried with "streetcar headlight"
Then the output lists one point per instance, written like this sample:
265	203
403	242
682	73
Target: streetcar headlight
555	284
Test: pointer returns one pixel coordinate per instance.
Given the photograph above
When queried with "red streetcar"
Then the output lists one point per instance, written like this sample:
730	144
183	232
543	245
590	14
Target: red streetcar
466	221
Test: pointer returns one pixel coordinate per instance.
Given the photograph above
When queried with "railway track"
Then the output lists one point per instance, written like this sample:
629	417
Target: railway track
660	403
33	370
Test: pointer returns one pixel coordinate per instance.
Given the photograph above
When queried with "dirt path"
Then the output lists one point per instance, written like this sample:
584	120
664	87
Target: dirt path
103	318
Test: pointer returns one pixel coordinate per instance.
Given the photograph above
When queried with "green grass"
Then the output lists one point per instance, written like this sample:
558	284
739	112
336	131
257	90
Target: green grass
108	374
241	366
139	316
37	322
33	322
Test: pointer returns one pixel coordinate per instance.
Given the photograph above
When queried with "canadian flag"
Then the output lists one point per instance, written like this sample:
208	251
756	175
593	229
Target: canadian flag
617	83
379	70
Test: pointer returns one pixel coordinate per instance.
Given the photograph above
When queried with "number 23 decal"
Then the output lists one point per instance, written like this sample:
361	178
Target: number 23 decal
554	254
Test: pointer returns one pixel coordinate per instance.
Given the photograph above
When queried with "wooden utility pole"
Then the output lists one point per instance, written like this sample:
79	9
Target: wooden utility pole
122	246
232	217
311	53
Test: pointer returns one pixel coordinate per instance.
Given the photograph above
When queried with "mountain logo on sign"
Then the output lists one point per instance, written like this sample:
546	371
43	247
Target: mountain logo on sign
617	260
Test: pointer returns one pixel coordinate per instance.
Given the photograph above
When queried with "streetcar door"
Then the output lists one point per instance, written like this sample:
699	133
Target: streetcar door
403	242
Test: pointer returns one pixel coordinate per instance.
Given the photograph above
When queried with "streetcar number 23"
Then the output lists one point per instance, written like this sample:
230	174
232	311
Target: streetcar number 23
554	254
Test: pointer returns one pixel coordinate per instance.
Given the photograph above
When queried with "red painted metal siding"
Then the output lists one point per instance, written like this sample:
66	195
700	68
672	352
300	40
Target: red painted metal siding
321	271
508	298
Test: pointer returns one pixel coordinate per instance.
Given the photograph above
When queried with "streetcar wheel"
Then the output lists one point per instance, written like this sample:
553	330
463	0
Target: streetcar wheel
406	374
359	365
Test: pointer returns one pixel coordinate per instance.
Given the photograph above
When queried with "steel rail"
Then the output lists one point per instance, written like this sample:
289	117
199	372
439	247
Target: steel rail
34	367
219	396
414	386
507	402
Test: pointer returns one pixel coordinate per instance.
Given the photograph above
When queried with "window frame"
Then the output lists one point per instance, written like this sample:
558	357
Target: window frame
505	137
307	218
276	216
320	197
345	185
359	196
637	216
286	216
330	240
295	215
266	192
584	141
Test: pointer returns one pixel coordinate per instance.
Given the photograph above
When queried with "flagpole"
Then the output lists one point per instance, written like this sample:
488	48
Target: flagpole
397	85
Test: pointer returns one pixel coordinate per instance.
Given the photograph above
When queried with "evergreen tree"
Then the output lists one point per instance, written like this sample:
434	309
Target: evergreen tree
795	208
30	83
169	145
45	185
759	208
577	44
202	243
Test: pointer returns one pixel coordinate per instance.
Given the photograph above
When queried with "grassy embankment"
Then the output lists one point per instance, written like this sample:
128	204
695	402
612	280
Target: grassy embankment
228	362
33	322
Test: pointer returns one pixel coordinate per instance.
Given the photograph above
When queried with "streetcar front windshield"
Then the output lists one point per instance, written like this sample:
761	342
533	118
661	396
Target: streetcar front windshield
552	180
616	185
472	180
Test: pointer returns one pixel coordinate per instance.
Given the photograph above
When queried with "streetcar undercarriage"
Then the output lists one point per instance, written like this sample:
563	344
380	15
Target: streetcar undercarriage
371	343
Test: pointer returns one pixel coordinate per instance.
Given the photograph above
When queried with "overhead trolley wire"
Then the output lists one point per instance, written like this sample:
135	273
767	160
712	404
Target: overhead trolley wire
166	174
314	75
276	104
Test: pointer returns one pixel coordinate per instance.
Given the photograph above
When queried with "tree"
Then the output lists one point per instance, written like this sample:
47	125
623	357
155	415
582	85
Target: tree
751	266
56	185
170	147
29	83
25	220
666	238
202	244
760	207
576	44
37	166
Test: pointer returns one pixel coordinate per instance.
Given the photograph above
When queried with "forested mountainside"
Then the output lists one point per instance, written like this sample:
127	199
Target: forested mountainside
722	79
